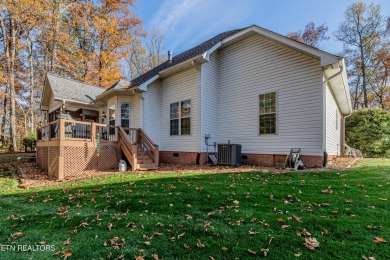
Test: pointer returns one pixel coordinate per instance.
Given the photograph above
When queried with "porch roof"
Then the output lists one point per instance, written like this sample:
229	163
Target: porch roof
69	90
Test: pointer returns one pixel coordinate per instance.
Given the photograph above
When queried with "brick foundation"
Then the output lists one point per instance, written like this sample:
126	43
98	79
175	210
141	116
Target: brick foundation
188	158
311	161
266	160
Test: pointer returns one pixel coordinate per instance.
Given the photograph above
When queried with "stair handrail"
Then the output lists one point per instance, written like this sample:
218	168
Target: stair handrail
131	147
148	144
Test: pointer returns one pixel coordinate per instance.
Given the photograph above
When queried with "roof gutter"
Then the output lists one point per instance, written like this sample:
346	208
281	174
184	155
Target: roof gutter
144	86
207	54
73	101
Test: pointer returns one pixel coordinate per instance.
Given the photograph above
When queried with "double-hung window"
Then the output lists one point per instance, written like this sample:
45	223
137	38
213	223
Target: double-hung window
267	113
180	118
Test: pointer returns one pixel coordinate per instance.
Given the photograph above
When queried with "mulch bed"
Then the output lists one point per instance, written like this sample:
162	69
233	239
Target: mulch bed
342	162
31	176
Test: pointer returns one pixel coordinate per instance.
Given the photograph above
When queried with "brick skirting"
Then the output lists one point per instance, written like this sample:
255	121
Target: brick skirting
266	160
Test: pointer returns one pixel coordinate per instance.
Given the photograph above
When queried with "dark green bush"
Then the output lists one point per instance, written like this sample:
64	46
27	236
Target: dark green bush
369	131
29	141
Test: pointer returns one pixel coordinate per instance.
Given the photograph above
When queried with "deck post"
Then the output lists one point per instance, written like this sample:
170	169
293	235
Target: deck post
60	166
134	153
93	132
156	155
61	123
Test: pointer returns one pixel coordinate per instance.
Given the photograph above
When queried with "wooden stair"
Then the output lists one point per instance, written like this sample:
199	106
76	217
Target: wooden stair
138	148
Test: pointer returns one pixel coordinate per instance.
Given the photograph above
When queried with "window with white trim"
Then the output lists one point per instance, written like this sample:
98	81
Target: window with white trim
125	115
180	118
267	113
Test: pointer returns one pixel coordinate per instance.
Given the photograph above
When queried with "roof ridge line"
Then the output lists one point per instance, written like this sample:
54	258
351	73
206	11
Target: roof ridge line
71	79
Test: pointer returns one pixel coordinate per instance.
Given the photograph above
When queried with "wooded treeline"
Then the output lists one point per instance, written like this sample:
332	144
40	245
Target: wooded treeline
365	35
87	40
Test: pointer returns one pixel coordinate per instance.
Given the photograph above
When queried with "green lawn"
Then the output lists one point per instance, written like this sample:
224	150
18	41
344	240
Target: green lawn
199	216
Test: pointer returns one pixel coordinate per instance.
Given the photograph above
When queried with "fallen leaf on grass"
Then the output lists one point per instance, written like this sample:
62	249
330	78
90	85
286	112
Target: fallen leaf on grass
83	224
311	243
199	244
225	248
303	233
298	254
285	226
62	210
379	240
253	232
326	191
147	243
66	242
251	252
368	258
186	246
155	256
17	235
66	254
349	201
280	220
374	227
109	226
297	219
265	251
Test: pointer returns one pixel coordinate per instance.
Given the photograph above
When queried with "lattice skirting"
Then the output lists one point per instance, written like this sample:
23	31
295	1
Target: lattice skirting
80	160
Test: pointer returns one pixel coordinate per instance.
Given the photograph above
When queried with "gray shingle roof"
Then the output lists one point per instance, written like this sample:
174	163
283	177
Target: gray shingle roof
121	84
184	56
69	89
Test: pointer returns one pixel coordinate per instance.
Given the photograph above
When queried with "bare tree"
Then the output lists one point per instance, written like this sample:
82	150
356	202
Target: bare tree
145	53
311	36
362	33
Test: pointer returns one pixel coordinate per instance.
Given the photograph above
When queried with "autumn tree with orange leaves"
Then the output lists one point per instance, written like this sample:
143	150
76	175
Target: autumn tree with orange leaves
84	40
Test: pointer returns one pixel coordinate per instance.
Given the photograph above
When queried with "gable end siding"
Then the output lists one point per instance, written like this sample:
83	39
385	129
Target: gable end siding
257	66
152	111
176	88
332	133
209	96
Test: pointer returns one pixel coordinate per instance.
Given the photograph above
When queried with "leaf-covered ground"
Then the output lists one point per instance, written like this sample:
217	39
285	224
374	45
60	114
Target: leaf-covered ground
304	215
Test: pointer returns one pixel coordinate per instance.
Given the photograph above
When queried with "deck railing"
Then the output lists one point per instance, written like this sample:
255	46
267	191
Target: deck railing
129	139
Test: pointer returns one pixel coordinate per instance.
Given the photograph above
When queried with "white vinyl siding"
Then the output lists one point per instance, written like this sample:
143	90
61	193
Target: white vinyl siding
152	111
209	94
255	66
332	124
179	87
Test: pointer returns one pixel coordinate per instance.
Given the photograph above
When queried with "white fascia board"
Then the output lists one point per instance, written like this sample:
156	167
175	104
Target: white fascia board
207	54
340	88
144	86
73	101
326	58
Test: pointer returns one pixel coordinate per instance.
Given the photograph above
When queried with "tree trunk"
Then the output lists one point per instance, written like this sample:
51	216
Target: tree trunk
4	119
364	83
11	79
57	18
31	61
6	45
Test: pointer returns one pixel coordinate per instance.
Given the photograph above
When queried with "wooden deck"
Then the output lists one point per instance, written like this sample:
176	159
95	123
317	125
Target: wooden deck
67	148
